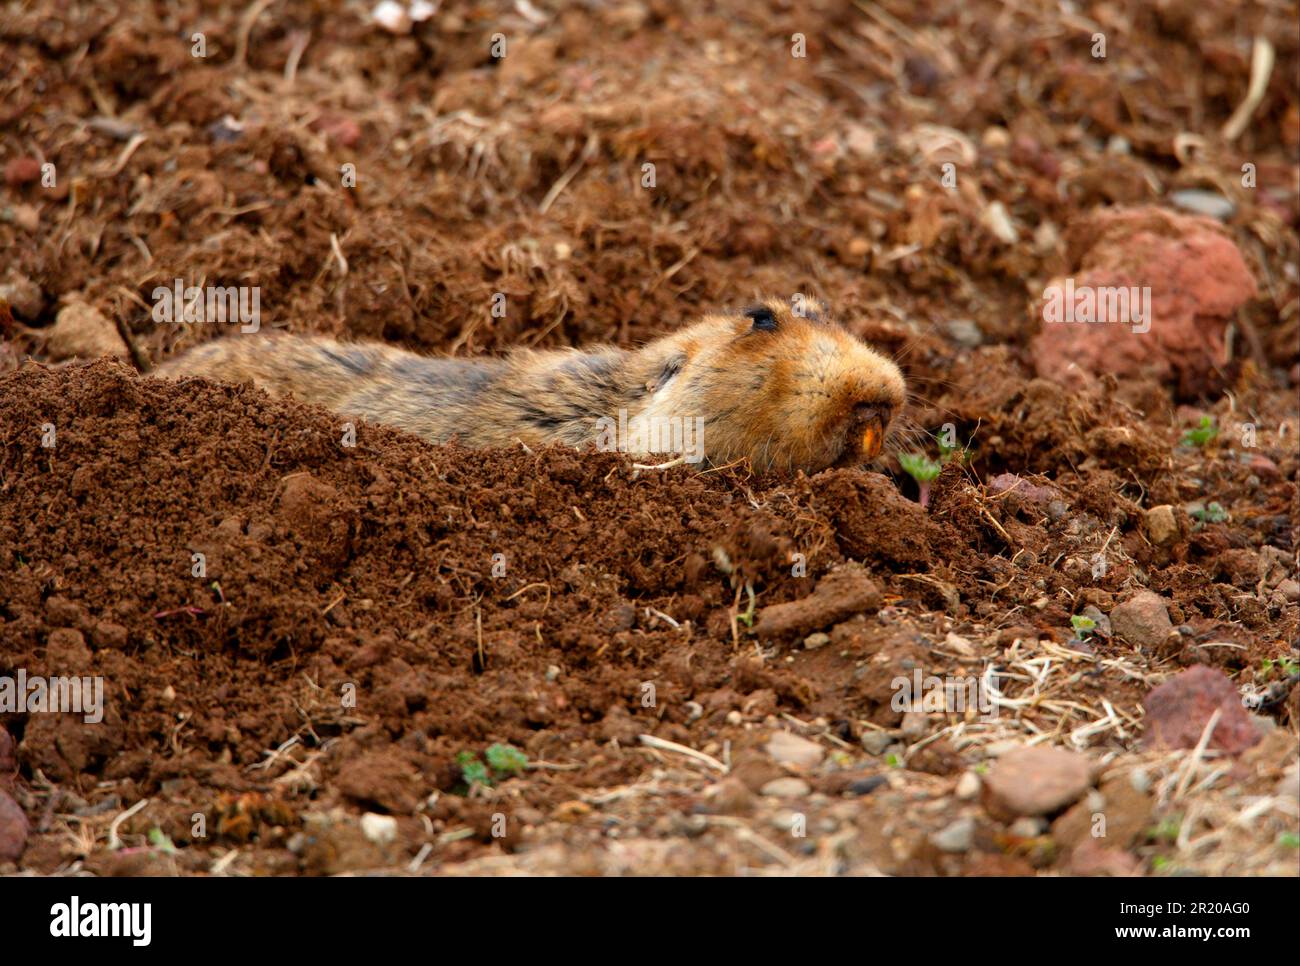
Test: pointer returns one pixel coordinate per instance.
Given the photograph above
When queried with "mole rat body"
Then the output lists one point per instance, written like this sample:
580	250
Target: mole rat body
786	390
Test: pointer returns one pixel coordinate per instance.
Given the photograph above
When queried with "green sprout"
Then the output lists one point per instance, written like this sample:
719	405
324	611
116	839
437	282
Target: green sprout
893	761
1212	513
747	618
922	469
1286	665
1166	830
1289	840
473	771
1202	435
503	761
1083	626
161	841
506	759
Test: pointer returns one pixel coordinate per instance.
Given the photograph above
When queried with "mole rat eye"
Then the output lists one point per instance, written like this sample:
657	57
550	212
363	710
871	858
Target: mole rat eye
764	320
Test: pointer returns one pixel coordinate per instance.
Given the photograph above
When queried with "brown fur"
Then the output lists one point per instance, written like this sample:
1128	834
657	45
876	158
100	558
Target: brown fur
797	397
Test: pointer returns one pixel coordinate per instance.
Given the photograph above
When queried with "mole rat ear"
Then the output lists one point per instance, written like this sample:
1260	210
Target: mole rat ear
764	319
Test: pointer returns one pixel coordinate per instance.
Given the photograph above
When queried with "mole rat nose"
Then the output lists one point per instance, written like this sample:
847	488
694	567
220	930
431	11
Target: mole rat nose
865	412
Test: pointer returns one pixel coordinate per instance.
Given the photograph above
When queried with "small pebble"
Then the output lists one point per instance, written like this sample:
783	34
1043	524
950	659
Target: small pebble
957	837
965	333
1027	828
997	220
915	724
785	788
790	749
865	786
392	16
1209	203
380	829
875	742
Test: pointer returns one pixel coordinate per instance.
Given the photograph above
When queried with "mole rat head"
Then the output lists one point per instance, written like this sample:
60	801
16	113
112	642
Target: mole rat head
792	389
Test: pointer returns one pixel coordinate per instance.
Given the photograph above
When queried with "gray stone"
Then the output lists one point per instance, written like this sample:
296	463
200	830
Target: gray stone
1199	202
875	742
957	837
915	724
965	333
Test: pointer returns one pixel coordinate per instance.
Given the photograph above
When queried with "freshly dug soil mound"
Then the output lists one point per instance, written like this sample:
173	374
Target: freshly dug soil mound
315	653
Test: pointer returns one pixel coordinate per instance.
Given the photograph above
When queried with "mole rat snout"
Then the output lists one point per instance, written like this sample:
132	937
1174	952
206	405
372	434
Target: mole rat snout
870	422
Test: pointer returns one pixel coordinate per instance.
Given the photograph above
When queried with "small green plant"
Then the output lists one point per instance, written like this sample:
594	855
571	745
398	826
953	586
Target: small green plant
893	761
1285	665
1167	830
1211	513
503	761
1083	626
747	618
506	759
1202	435
473	771
1289	840
922	469
161	841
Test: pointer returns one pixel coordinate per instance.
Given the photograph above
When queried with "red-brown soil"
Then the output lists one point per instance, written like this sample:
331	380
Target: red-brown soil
367	614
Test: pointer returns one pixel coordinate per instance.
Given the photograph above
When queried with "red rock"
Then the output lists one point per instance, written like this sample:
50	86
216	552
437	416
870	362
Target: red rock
1197	279
1093	858
1263	467
1178	711
1035	781
22	170
13	829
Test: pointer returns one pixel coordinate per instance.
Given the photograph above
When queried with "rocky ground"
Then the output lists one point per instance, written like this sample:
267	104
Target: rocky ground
425	660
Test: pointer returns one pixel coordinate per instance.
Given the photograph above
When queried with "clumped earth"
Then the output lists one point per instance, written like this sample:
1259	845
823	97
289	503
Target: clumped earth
327	658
